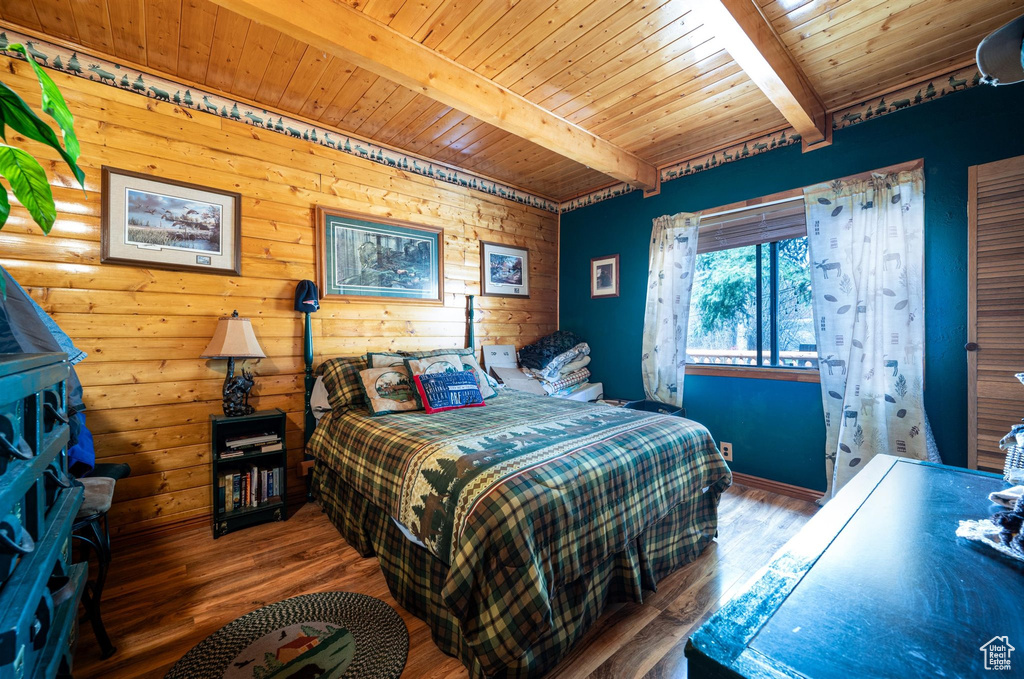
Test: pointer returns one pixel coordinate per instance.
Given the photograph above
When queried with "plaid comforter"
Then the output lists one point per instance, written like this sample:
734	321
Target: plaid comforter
526	496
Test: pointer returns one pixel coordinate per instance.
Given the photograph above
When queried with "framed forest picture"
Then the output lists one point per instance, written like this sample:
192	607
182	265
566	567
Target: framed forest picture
504	270
153	222
372	258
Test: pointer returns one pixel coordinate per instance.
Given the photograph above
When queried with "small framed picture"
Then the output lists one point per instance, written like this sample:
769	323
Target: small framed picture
365	258
604	276
504	270
157	223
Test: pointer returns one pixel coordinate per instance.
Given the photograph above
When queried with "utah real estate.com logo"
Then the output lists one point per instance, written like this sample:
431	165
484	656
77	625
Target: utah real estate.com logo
997	652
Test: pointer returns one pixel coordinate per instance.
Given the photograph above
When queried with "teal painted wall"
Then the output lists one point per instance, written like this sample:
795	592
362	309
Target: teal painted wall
777	428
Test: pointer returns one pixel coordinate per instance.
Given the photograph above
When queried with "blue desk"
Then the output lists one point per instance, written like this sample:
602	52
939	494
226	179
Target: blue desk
876	585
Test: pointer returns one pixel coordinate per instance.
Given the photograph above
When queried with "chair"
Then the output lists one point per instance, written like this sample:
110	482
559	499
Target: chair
92	529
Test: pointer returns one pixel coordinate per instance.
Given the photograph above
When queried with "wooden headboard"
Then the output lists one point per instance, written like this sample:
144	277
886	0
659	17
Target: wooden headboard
309	422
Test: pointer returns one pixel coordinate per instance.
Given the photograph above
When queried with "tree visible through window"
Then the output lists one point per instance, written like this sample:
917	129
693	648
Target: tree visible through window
751	305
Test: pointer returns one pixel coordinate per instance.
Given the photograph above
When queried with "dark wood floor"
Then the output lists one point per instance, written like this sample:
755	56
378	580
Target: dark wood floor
167	594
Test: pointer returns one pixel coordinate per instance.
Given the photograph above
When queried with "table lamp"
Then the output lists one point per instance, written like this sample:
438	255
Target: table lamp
233	338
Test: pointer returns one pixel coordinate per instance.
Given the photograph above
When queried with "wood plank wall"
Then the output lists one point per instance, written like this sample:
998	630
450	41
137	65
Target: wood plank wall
148	394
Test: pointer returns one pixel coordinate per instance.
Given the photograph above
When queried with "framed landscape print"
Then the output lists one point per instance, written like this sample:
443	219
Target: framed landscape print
371	258
604	276
152	222
504	270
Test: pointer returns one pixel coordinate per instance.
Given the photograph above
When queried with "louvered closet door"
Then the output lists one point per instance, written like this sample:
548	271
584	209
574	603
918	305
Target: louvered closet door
995	307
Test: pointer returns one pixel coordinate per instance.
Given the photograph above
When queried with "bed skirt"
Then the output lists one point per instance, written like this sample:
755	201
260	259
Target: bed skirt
416	577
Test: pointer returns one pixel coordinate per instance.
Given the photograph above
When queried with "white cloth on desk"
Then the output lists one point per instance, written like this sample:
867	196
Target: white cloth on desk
1007	497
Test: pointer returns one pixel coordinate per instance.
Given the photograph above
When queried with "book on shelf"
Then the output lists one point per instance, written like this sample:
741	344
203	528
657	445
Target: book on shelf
249	487
257	448
243	441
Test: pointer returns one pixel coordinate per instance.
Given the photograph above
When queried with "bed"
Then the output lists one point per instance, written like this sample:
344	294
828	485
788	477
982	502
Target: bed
510	528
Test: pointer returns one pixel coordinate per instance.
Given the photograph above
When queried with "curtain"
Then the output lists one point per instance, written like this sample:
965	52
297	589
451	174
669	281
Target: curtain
866	242
669	282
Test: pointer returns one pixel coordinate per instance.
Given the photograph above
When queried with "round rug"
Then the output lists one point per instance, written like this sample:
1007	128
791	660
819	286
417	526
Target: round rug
323	636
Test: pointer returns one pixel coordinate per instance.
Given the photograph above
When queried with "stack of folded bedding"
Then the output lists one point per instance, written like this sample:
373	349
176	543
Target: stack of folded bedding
559	361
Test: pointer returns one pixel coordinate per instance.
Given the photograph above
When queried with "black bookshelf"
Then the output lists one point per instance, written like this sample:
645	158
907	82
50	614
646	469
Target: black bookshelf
244	512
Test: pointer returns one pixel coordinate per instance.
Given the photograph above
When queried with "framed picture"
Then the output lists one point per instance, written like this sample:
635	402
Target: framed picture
504	270
153	222
372	258
604	276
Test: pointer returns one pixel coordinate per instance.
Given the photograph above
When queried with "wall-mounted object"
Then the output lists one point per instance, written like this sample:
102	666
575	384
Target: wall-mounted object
604	276
1000	55
364	258
504	270
233	338
152	222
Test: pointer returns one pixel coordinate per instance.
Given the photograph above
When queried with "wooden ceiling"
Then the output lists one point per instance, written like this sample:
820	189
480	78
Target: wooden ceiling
648	77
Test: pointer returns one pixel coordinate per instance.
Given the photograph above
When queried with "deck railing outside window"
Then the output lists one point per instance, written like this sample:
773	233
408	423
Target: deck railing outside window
787	359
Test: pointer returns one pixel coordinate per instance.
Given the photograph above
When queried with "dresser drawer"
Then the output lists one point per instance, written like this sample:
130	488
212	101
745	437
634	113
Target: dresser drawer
30	616
14	442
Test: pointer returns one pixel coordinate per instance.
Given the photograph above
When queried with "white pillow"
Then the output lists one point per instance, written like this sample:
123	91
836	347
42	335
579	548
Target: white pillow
319	402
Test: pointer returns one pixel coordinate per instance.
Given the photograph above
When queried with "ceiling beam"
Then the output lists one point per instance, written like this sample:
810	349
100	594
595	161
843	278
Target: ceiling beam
751	41
349	34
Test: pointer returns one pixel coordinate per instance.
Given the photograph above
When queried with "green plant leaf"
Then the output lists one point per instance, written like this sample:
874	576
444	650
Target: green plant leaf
17	115
53	103
29	183
5	206
5	212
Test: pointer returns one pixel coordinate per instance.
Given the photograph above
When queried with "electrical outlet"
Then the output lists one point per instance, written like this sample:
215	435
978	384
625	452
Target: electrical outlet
726	449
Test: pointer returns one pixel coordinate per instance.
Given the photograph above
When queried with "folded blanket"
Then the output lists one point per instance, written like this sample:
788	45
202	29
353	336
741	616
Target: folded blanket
555	375
541	352
553	369
570	380
578	364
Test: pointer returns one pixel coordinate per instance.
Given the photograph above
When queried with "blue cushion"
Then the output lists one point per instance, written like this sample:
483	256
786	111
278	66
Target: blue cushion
446	391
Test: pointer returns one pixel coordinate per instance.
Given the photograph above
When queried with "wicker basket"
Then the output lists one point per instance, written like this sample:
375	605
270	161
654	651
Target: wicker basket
1014	461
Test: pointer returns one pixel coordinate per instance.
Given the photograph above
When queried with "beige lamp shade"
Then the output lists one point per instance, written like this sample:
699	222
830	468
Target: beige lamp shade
233	338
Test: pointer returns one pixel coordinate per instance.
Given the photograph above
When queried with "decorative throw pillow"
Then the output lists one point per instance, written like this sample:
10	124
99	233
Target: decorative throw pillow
448	390
429	365
341	377
388	390
382	359
379	359
469	362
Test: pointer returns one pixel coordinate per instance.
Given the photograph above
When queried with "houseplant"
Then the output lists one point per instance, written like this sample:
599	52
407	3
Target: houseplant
23	173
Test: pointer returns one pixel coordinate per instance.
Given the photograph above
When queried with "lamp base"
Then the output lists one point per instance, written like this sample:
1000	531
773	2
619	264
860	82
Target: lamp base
236	392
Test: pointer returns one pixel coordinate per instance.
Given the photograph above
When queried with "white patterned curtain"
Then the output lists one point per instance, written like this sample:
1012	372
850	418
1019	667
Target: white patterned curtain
669	282
866	241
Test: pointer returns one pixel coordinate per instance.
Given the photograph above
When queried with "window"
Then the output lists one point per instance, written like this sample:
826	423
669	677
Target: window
751	300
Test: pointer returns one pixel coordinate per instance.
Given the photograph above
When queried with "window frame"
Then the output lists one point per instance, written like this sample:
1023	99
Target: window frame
771	372
767	372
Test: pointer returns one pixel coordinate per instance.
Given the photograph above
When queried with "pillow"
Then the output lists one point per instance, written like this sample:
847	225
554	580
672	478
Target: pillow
384	359
448	391
341	378
379	359
388	390
319	399
429	365
469	362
